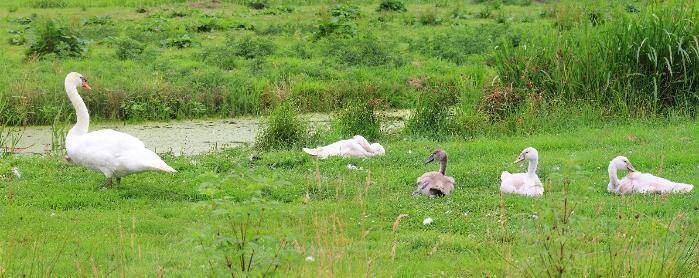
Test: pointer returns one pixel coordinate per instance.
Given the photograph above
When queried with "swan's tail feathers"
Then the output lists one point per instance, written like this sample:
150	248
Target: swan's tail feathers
682	187
313	152
504	175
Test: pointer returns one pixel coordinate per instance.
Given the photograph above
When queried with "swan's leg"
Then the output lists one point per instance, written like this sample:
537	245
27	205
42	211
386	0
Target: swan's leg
108	183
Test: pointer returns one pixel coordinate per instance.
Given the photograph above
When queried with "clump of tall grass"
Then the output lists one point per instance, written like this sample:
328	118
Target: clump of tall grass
432	116
646	61
51	38
284	129
359	118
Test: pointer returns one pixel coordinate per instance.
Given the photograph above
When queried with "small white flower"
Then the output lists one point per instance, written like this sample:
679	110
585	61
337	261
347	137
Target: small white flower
535	217
310	259
410	151
556	168
427	221
53	214
466	213
353	167
16	171
194	162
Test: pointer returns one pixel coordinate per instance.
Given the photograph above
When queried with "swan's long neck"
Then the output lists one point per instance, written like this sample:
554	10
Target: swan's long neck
613	178
83	121
532	167
443	166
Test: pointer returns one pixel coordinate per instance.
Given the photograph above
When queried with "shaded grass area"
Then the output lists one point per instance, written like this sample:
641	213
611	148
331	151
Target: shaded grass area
346	219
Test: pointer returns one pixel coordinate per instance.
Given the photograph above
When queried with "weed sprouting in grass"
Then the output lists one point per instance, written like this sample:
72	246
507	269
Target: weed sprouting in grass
236	244
283	129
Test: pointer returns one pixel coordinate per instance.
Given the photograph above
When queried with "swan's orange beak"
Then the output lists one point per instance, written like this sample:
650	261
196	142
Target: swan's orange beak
86	85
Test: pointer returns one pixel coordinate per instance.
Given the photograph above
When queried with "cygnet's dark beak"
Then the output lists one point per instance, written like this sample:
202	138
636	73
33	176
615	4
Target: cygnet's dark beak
429	159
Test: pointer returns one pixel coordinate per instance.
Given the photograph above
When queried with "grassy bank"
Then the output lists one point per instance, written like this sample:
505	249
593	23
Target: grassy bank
225	59
220	59
57	221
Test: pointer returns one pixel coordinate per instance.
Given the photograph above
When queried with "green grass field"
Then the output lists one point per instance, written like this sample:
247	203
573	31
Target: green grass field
57	221
582	81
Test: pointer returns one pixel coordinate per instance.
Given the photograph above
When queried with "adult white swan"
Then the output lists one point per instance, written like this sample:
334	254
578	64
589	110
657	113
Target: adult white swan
113	153
357	146
637	182
528	183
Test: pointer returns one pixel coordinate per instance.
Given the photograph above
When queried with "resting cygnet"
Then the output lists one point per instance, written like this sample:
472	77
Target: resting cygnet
435	183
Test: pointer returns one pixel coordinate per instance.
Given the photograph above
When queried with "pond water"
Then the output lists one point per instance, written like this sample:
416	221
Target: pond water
192	136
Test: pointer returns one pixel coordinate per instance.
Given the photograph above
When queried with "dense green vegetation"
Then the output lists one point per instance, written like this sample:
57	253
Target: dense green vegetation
185	223
204	59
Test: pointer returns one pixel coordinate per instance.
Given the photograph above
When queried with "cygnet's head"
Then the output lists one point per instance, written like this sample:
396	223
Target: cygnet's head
378	149
622	163
528	154
438	155
75	79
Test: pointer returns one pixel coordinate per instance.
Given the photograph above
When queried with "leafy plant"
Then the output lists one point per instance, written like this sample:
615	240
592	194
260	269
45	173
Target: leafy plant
430	17
183	41
58	40
17	39
392	6
345	12
258	4
96	20
205	25
342	29
283	130
252	47
128	48
25	20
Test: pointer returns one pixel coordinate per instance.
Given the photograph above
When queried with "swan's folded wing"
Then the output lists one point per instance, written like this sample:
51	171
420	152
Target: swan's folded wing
111	140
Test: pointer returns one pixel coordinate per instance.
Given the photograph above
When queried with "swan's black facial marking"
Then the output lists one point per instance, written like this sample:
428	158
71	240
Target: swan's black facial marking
85	84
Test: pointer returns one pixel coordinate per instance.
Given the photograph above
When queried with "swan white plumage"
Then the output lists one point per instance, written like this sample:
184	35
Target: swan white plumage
528	183
356	146
113	153
637	182
435	183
